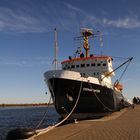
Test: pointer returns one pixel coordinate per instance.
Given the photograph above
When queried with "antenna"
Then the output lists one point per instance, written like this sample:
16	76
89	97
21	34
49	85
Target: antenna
101	39
55	61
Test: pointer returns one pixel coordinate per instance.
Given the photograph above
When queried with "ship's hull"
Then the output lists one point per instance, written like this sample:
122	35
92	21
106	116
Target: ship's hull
94	98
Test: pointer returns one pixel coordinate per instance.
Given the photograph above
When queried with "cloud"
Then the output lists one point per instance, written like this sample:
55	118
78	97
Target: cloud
30	16
26	62
76	9
11	20
125	22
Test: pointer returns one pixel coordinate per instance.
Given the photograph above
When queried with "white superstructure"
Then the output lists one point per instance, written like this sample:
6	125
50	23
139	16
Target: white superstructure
93	66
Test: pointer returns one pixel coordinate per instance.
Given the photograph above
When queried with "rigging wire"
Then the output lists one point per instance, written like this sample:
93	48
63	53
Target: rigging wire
124	71
117	57
129	60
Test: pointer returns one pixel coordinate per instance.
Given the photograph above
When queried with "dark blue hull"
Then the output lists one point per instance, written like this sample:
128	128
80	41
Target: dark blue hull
94	98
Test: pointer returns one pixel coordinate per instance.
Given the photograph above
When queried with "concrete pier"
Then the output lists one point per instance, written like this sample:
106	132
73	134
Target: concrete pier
122	125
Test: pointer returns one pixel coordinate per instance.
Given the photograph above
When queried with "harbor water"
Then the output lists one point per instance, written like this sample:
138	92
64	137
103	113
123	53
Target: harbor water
25	117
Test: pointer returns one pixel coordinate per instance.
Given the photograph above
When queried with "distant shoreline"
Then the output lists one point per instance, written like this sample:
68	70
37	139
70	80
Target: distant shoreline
25	105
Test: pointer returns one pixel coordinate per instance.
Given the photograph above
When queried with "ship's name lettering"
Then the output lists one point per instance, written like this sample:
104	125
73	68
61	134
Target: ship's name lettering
91	90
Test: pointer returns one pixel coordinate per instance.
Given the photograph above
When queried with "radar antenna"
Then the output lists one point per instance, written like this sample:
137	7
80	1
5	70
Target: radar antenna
86	33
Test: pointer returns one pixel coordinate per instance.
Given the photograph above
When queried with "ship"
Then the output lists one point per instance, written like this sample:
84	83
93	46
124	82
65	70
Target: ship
83	86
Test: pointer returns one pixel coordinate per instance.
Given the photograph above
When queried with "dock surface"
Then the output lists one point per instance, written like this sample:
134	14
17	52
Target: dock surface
123	125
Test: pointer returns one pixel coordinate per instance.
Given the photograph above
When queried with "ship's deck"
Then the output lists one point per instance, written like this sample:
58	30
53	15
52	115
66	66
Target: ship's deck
118	126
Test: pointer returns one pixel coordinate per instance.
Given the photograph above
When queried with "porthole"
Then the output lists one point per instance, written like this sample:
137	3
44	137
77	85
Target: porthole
93	64
73	66
82	65
87	65
77	66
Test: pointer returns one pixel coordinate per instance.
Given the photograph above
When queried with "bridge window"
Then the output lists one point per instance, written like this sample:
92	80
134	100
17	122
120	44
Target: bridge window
96	73
93	64
98	64
73	66
104	64
87	65
77	66
82	65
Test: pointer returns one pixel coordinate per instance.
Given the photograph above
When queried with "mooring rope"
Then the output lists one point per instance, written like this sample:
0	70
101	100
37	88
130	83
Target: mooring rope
73	106
45	114
100	99
59	123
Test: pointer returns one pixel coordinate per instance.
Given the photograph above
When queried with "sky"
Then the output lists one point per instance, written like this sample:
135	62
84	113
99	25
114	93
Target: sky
27	41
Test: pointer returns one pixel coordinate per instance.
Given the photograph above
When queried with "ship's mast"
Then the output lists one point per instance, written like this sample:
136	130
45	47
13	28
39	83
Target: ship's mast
86	33
55	49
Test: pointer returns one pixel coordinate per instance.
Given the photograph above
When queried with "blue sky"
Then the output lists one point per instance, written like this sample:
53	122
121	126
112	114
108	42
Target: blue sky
27	41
